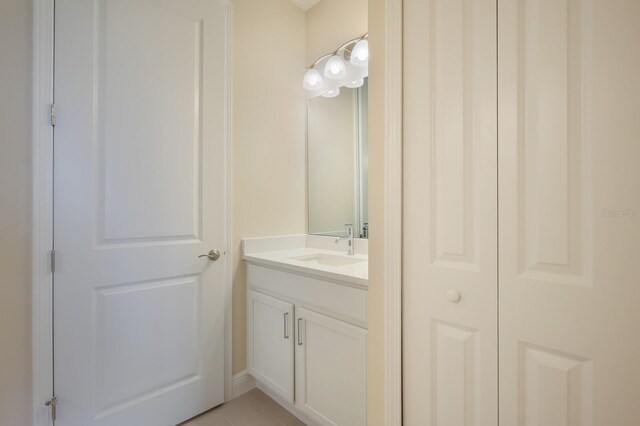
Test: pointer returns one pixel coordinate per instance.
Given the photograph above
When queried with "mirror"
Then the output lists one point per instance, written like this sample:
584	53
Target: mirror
337	162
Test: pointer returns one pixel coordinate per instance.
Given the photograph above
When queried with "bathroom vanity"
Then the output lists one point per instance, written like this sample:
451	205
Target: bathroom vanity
307	294
307	325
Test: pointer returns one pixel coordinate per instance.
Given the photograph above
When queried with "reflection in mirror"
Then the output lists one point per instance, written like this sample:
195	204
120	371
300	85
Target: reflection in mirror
338	162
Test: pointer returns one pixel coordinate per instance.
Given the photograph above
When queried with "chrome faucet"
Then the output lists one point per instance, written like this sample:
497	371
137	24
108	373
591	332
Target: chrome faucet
349	239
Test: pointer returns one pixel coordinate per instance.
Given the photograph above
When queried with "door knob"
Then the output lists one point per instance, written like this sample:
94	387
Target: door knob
213	255
453	296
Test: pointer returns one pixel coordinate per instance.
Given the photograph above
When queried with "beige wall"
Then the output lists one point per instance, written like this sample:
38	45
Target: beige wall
330	23
15	212
375	352
269	187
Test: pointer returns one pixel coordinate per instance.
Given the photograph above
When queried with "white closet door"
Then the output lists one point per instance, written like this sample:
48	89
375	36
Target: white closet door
569	96
139	195
449	242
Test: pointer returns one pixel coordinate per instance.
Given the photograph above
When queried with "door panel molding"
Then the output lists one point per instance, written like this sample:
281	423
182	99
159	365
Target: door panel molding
455	360
453	219
118	157
553	174
555	388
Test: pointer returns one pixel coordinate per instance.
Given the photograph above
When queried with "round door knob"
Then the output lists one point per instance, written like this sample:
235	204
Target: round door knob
213	255
453	296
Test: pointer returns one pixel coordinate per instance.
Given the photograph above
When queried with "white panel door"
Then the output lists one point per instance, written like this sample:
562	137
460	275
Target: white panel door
449	240
569	209
270	342
331	369
139	195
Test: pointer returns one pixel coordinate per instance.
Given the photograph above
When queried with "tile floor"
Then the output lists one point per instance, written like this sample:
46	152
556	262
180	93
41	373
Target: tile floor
254	408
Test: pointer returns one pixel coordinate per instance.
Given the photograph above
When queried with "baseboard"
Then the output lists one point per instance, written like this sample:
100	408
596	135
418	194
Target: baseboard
287	406
243	382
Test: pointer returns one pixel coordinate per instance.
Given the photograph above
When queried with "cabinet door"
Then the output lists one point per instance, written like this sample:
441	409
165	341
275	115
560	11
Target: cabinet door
331	359
270	343
569	212
450	216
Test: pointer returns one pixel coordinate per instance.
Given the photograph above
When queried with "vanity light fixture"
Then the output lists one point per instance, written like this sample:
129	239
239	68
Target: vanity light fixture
332	93
346	66
355	83
312	79
360	53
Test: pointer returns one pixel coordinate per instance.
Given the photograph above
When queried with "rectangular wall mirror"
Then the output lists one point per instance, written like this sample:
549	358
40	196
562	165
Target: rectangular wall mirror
337	162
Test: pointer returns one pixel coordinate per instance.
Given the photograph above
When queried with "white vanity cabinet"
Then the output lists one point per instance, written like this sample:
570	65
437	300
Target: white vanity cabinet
270	346
307	344
331	369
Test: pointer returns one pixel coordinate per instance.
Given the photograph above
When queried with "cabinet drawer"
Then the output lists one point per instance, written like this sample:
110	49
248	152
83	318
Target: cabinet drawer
338	300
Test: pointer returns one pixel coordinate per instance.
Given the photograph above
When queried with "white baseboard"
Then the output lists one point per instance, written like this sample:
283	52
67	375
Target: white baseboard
287	406
243	382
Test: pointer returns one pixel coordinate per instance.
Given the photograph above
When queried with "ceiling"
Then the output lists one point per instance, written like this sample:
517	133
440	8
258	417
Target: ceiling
305	4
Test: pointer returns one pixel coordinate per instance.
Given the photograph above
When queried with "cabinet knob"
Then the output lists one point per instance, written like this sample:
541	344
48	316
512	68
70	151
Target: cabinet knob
453	296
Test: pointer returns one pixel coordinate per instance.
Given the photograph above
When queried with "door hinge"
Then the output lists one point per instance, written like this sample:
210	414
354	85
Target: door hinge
52	404
53	260
53	114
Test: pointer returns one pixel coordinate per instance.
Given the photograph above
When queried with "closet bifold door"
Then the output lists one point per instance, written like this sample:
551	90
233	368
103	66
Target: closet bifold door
569	219
450	375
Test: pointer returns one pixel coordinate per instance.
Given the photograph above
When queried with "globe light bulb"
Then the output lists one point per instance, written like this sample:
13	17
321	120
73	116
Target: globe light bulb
360	54
335	68
312	80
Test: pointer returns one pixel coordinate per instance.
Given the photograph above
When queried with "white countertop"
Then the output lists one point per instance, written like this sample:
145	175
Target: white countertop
280	252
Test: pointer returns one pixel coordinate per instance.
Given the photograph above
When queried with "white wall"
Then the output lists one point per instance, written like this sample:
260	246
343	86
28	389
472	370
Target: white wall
268	135
15	212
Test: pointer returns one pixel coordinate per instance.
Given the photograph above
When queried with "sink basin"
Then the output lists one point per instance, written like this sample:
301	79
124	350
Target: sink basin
327	259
